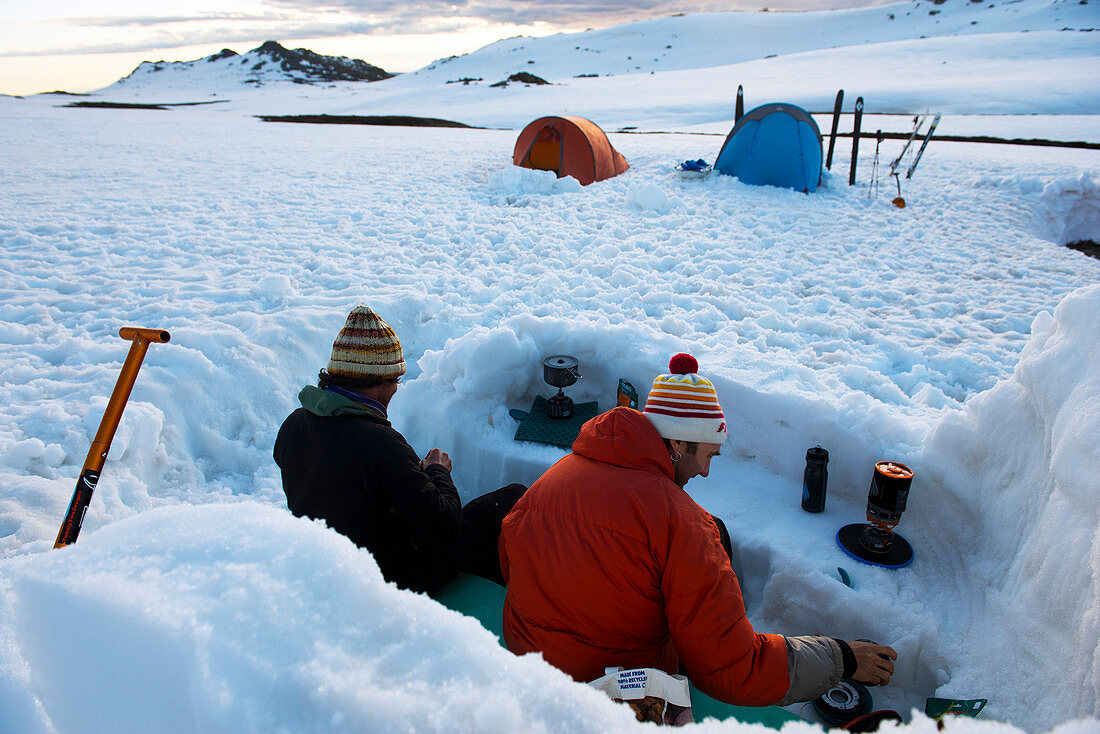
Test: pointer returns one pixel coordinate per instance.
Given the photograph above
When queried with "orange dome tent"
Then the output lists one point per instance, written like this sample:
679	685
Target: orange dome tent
569	146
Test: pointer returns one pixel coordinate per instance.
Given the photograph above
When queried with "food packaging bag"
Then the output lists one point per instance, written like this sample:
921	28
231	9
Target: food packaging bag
654	695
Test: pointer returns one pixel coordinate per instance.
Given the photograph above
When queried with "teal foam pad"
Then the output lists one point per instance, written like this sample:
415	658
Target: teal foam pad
484	601
541	428
478	598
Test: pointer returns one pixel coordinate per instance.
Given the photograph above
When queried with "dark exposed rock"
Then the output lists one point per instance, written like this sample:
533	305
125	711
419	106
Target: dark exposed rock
118	105
1089	247
311	67
395	120
522	77
140	105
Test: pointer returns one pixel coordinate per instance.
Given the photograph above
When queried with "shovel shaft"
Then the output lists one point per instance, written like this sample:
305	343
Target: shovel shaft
97	454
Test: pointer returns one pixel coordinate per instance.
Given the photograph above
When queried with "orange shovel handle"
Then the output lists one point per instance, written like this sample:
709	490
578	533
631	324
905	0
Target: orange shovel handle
97	454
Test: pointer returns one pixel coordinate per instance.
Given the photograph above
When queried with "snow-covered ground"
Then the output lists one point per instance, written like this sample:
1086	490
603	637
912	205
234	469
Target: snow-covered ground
958	335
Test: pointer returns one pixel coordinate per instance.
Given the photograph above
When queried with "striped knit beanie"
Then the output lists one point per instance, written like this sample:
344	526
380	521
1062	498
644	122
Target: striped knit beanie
684	405
366	347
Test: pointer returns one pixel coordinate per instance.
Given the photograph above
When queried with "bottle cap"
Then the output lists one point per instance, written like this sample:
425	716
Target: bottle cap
817	454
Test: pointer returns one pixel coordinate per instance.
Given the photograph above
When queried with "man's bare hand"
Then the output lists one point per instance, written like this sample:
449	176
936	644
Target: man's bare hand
874	663
435	456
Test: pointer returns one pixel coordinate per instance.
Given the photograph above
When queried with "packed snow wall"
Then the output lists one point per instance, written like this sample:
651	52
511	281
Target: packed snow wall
1018	496
1069	209
476	379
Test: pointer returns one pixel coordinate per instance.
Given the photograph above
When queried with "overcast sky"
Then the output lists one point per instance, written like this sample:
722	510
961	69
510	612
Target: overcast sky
80	45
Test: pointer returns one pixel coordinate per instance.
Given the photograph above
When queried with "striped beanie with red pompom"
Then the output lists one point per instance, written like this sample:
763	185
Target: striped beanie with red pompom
366	347
683	405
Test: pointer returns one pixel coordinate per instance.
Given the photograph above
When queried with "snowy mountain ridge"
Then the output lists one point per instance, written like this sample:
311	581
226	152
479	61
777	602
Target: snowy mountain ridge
675	43
269	63
681	72
704	40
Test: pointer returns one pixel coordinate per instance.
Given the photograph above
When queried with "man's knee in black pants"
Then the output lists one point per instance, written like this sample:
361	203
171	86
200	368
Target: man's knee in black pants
476	549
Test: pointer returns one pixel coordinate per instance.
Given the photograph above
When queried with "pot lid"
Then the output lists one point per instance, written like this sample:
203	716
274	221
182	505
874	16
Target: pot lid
561	362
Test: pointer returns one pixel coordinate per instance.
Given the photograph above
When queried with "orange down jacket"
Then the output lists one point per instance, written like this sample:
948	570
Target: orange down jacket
609	562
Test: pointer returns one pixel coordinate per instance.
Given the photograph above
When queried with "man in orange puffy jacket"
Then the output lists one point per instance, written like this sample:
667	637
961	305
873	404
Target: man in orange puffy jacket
609	562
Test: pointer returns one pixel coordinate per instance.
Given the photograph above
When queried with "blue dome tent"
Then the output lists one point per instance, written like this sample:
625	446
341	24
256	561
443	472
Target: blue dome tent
774	145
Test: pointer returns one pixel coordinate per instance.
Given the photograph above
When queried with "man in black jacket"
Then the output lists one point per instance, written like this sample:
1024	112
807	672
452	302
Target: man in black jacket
344	463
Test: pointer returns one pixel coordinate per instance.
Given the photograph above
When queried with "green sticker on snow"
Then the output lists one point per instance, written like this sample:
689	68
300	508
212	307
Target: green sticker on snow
937	708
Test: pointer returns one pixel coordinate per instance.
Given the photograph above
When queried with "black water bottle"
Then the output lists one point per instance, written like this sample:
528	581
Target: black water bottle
814	479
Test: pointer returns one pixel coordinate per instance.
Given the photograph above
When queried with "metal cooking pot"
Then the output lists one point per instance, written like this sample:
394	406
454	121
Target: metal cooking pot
560	370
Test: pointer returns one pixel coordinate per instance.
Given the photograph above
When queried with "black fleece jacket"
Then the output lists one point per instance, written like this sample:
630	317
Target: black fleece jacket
343	465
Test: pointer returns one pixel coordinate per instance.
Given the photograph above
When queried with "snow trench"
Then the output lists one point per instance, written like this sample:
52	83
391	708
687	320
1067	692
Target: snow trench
1001	515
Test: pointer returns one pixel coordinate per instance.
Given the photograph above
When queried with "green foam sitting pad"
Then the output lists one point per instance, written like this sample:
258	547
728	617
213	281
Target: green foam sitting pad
479	598
538	427
705	707
484	601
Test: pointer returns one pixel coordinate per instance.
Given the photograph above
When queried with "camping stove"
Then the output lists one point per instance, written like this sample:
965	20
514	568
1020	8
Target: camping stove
876	542
560	370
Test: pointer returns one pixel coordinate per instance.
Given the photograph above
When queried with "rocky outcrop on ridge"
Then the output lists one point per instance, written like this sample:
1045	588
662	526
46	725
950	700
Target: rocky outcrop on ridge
269	63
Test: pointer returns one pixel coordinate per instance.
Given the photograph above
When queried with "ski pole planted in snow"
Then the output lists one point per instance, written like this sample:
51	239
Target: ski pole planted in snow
739	106
872	190
97	454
